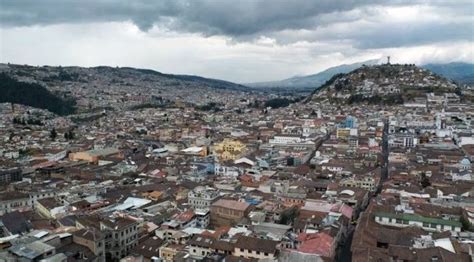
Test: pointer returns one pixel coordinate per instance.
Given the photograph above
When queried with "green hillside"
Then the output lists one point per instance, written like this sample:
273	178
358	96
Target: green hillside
35	95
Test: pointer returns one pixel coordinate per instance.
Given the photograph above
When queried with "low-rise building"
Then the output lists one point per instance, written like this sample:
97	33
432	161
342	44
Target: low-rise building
427	223
94	155
252	247
228	212
202	197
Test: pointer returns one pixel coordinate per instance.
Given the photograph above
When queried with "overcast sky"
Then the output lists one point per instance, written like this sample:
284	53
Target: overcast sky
241	41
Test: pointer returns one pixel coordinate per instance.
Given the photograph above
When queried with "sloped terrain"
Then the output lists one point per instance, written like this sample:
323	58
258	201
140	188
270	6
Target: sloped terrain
388	84
117	76
32	94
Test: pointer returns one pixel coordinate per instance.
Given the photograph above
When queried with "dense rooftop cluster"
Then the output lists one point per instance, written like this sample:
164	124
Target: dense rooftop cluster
313	181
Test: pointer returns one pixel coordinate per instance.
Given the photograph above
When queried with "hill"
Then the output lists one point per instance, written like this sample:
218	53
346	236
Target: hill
193	79
383	84
114	88
32	94
106	76
462	73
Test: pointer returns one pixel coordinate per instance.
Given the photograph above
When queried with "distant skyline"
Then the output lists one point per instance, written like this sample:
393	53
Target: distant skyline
240	41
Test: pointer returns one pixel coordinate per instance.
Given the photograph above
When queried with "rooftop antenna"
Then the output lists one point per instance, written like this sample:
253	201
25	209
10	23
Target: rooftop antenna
388	60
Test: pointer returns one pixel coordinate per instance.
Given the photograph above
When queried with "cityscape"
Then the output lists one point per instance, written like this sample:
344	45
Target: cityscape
360	154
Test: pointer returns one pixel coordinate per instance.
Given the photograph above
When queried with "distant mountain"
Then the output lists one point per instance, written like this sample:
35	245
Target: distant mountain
209	82
383	84
462	73
310	82
32	94
115	88
106	75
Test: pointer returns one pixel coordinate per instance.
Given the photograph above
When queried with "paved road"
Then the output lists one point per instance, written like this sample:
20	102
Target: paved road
343	253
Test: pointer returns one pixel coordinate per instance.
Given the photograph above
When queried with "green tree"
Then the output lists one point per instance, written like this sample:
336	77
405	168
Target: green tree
33	94
425	181
68	135
466	225
288	216
277	102
53	134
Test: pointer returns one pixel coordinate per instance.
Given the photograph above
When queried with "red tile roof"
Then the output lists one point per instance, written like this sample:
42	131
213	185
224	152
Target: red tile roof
318	243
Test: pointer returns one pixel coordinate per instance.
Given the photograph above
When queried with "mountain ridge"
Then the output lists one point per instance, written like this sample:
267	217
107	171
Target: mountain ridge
70	73
460	72
313	80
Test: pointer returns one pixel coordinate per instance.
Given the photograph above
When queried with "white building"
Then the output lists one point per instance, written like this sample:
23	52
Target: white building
285	140
202	197
427	223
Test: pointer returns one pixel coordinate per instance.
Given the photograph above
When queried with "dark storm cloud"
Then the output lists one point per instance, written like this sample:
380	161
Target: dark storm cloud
206	16
31	12
245	19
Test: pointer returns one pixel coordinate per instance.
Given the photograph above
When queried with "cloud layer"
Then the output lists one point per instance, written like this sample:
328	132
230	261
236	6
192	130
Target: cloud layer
288	37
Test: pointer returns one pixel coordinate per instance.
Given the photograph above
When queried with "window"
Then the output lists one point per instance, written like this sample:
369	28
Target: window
241	250
258	252
266	254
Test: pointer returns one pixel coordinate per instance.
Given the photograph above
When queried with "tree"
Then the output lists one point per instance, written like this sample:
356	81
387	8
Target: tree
425	181
53	134
288	216
33	94
69	135
466	225
277	102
